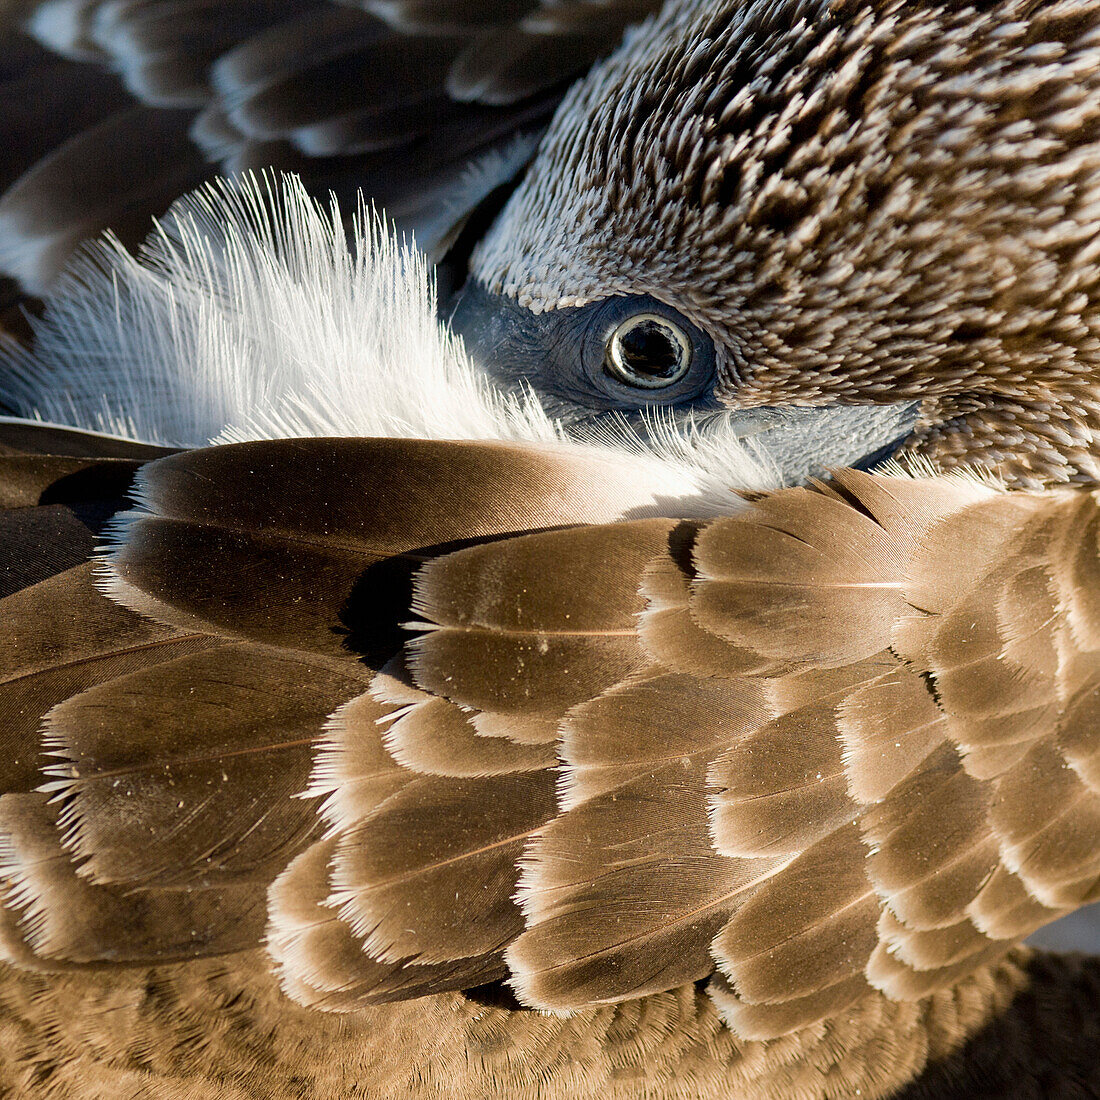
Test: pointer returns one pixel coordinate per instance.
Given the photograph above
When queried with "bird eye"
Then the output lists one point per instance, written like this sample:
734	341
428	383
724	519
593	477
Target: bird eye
648	351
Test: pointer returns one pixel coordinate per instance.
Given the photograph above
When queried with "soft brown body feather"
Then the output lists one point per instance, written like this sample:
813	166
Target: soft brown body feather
461	732
846	902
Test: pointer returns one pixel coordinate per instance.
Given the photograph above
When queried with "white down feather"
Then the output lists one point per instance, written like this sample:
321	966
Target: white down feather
253	312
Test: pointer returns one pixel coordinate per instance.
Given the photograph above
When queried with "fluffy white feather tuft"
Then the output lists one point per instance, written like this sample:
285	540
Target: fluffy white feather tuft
253	313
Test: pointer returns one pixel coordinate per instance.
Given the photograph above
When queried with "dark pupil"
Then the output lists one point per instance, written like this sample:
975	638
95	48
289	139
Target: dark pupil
648	349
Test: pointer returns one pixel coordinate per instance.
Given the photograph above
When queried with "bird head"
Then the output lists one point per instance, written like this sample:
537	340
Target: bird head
766	212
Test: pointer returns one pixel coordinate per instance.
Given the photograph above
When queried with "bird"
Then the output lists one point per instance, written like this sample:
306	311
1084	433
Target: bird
583	709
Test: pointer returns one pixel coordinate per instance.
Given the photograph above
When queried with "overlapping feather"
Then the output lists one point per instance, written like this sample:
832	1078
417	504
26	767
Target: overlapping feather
596	753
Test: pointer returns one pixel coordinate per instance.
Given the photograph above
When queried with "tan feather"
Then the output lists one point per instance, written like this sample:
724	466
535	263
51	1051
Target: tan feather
430	875
623	893
323	964
761	574
1077	741
812	925
781	788
653	721
352	769
1004	909
431	735
1077	574
532	730
930	845
888	727
899	982
767	1021
437	738
955	556
1047	823
672	636
533	674
906	507
934	949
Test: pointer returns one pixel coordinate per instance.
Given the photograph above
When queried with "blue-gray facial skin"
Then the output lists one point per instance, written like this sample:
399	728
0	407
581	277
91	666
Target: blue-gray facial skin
620	357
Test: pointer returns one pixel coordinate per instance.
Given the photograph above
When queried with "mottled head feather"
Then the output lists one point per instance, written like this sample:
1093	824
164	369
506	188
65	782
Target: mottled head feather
859	200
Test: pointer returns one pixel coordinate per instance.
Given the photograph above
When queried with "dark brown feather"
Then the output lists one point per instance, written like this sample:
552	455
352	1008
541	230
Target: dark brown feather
329	92
541	51
130	167
52	509
336	527
164	49
40	542
47	99
187	774
58	638
64	917
27	480
27	437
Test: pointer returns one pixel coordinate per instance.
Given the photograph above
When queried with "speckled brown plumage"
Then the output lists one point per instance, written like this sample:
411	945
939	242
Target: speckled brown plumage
857	200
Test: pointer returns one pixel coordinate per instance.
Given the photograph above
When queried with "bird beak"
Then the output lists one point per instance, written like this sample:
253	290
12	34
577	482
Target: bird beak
519	348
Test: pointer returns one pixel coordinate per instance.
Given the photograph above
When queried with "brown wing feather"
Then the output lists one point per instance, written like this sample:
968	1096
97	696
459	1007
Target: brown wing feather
399	108
660	821
132	166
670	633
337	528
52	508
60	637
430	875
624	891
862	770
64	919
802	578
432	735
323	964
782	787
812	925
570	636
187	773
